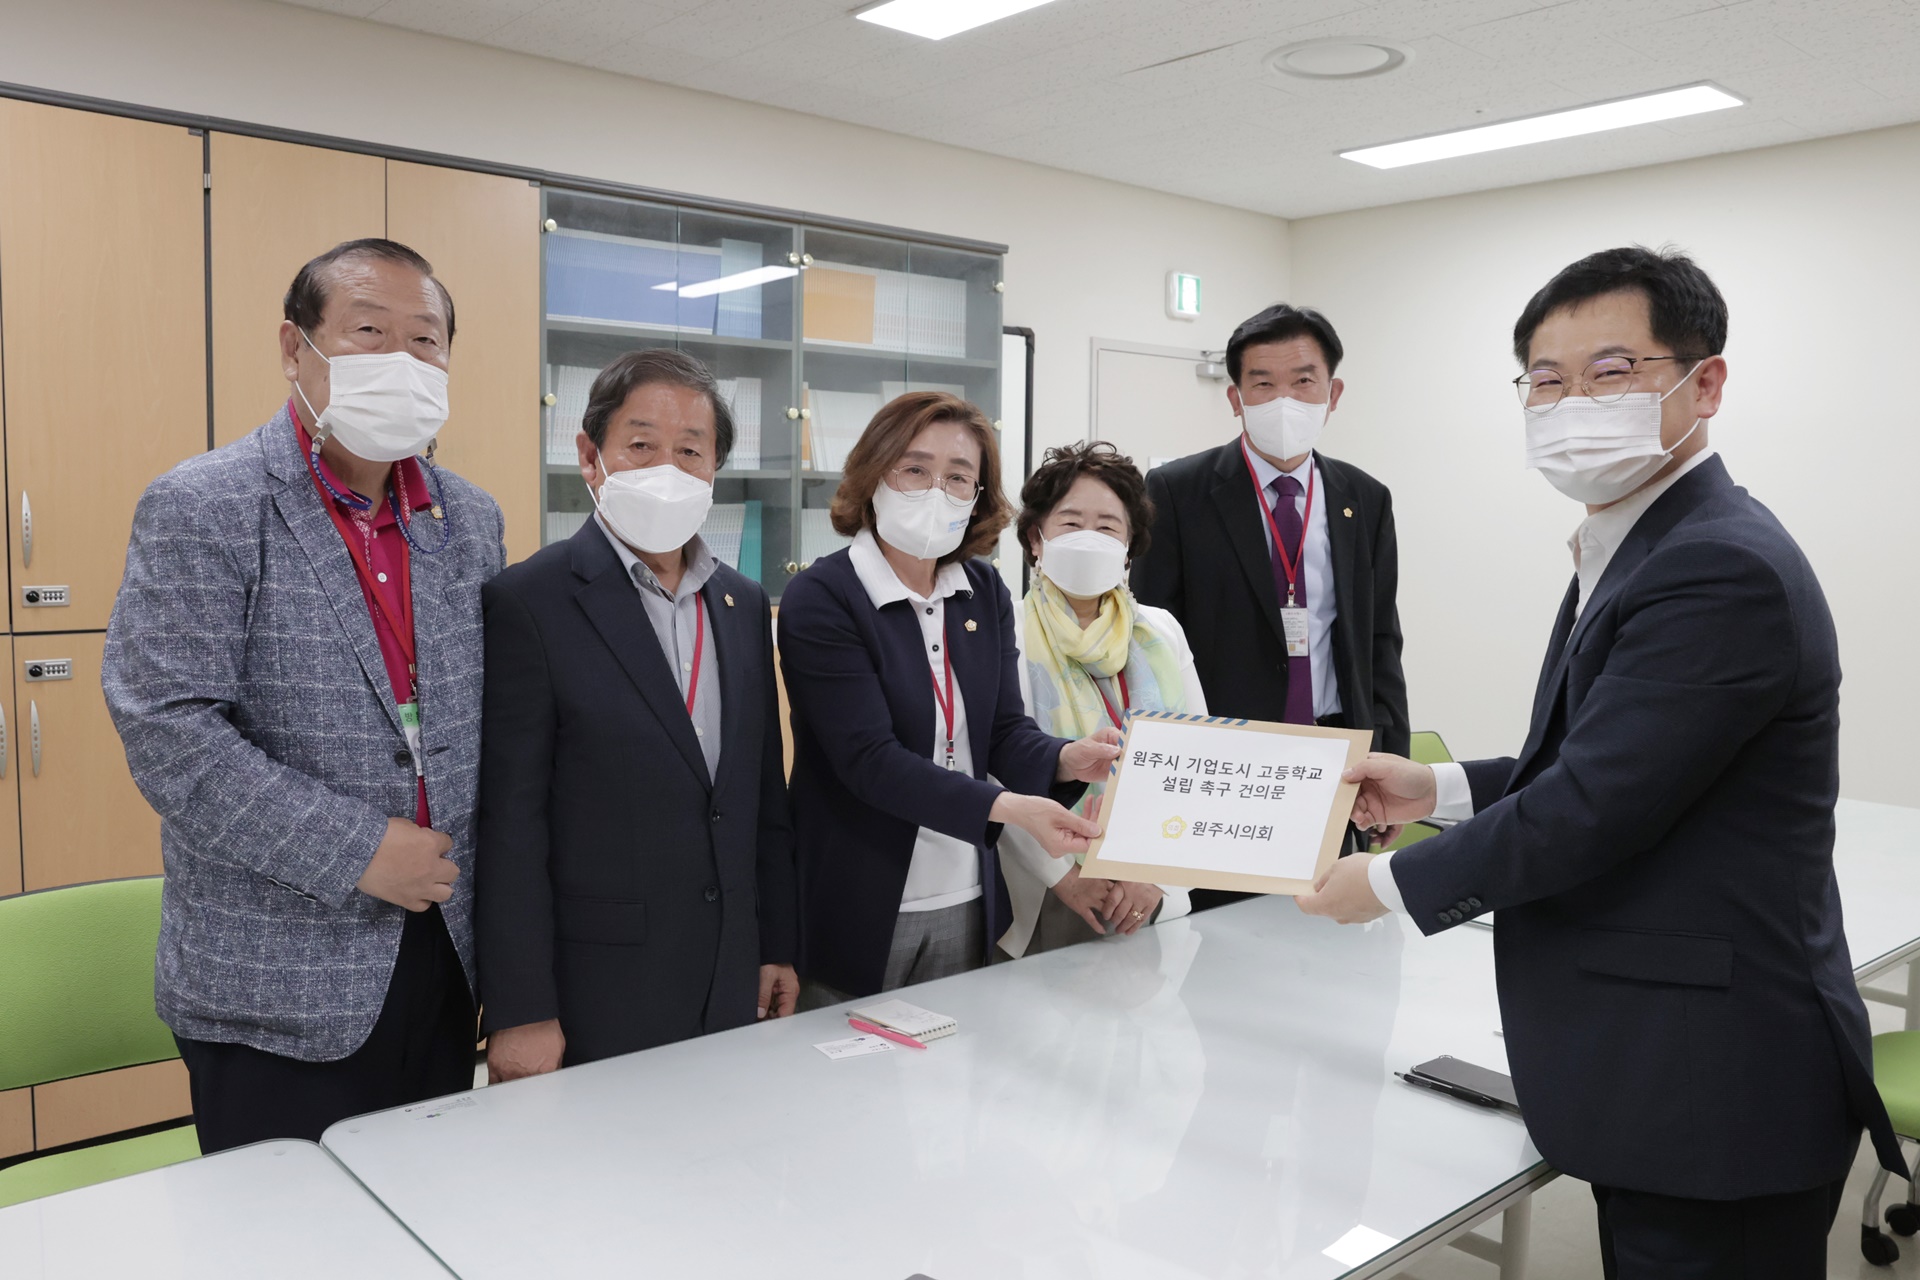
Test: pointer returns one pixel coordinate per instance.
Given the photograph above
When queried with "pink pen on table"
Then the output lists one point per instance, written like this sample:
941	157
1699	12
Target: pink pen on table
861	1024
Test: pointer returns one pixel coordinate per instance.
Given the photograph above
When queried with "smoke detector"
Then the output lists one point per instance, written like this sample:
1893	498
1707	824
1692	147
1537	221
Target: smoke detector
1338	58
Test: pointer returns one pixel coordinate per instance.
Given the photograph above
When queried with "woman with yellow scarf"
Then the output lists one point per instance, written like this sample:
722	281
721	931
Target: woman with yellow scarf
1088	652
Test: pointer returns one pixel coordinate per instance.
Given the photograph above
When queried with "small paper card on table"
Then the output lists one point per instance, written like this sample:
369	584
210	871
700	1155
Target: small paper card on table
855	1046
1213	803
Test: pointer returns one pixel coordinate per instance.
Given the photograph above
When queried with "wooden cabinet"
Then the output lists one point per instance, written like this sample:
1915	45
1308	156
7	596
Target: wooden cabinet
16	1122
90	1106
81	818
273	207
13	739
482	234
103	290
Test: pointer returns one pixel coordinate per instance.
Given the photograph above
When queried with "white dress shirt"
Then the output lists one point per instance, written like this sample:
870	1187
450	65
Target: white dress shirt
945	872
1322	608
1593	545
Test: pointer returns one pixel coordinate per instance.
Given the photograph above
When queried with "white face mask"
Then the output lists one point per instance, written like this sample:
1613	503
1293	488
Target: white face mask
924	525
381	406
657	509
1284	427
1599	453
1084	563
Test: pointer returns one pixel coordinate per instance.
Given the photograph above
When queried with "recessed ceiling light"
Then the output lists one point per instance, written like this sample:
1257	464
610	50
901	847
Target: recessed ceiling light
1338	58
938	19
1647	108
727	284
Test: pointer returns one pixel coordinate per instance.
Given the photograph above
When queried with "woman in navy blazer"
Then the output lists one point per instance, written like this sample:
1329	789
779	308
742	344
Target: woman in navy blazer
902	673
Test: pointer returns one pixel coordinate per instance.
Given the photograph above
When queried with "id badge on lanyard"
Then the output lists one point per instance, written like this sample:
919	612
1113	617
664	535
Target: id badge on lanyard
1293	626
410	723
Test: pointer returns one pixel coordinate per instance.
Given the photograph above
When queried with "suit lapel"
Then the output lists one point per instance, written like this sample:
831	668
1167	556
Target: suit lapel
299	505
612	604
1239	508
729	626
976	676
1654	524
1343	547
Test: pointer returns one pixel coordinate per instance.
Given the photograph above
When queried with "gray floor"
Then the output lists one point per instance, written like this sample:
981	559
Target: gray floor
1564	1246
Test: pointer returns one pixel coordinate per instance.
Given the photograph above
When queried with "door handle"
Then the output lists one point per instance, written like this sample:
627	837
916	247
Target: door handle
26	531
33	721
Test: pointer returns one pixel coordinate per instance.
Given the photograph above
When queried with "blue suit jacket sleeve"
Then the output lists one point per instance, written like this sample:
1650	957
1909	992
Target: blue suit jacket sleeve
1705	657
832	680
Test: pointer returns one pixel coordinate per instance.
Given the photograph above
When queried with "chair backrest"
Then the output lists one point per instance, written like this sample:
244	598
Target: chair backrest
1426	748
76	981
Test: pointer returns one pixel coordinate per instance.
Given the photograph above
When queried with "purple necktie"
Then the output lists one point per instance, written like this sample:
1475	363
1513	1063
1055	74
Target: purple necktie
1286	514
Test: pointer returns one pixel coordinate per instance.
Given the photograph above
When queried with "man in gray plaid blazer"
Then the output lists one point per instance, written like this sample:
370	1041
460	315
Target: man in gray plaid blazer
294	666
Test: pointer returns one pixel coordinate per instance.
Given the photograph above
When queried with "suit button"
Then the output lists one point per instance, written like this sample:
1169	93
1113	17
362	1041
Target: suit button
403	757
713	894
1446	917
1473	904
716	815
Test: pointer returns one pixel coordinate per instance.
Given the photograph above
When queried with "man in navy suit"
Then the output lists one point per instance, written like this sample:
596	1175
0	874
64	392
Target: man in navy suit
635	879
1679	1006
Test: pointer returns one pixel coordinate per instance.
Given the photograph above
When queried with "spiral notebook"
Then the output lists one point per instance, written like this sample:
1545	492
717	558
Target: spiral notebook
908	1019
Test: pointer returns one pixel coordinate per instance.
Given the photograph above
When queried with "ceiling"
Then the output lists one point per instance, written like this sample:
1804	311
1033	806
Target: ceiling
1175	95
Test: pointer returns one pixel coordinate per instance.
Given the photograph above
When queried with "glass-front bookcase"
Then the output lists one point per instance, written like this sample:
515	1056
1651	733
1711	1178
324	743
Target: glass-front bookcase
809	330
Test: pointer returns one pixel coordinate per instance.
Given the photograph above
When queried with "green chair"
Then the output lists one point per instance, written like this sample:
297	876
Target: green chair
1896	1069
1425	748
76	997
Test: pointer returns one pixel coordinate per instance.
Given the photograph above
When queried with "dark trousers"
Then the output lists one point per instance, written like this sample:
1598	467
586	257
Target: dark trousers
1652	1237
421	1047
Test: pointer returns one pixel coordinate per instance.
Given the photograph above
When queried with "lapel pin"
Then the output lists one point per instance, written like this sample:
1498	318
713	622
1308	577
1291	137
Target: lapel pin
436	512
972	625
1347	512
729	600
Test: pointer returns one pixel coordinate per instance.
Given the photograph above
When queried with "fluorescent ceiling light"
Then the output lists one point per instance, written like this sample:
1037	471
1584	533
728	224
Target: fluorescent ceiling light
727	284
938	19
1668	104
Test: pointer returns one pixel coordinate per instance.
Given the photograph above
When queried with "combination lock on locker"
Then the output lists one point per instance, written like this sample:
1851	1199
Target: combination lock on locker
45	597
49	668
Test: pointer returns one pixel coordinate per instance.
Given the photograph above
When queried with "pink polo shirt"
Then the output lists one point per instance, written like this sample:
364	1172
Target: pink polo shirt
381	563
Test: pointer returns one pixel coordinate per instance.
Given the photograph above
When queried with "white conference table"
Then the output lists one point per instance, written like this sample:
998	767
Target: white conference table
282	1209
1210	1098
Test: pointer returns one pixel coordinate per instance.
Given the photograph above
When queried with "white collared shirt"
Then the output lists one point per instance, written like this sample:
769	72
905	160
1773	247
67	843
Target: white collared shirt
945	871
1593	545
1322	607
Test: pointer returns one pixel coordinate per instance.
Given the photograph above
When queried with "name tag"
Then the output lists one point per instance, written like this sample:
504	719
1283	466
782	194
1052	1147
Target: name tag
1293	625
410	721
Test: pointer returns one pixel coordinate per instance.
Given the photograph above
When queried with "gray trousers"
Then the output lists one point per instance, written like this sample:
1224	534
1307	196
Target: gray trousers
926	945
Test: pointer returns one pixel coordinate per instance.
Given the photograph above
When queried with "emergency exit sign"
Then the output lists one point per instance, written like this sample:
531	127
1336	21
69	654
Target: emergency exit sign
1183	295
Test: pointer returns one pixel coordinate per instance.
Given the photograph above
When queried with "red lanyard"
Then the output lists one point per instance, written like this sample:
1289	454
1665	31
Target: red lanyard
402	626
946	704
699	644
1266	509
1126	699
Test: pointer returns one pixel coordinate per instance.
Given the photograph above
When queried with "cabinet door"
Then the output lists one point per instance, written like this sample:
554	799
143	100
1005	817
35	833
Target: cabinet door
16	1122
110	1102
103	297
274	206
81	817
482	235
12	744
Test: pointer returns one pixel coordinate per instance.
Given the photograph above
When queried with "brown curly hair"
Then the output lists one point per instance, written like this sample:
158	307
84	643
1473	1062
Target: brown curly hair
889	436
1055	476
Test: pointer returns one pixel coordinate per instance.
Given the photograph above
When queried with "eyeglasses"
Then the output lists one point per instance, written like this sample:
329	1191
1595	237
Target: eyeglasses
913	479
1605	380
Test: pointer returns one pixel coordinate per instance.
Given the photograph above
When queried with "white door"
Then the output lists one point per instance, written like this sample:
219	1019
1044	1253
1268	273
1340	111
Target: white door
1154	404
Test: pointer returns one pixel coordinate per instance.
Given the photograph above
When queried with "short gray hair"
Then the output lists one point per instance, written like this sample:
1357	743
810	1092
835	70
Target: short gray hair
637	369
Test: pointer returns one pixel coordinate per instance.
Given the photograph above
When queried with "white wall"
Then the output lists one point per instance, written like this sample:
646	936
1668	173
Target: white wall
1817	248
1087	257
